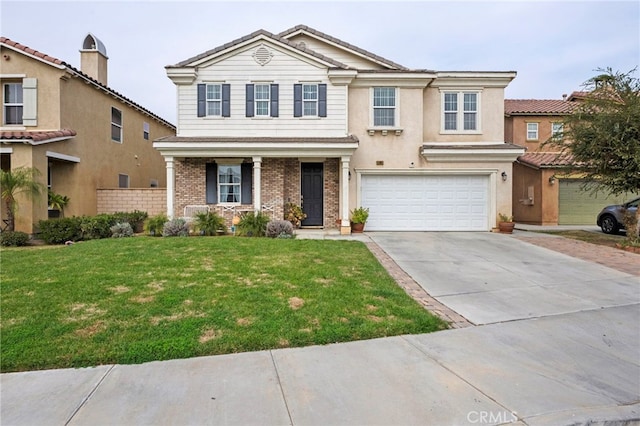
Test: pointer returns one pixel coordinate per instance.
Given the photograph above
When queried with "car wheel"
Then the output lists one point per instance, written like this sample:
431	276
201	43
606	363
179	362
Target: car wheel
609	225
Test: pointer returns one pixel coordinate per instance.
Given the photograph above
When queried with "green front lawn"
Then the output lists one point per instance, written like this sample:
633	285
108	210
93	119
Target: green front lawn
132	300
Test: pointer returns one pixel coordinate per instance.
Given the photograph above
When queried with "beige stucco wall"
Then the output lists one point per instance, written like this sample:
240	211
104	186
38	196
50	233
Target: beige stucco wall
419	119
67	101
517	128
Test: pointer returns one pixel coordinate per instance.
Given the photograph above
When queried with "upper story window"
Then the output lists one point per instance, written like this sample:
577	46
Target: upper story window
145	130
309	100
12	103
384	106
261	100
214	100
557	130
460	112
532	131
116	125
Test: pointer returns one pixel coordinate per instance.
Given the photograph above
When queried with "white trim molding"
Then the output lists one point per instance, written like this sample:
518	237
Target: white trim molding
63	157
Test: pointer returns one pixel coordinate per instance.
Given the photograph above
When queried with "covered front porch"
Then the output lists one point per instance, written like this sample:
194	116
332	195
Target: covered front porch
235	175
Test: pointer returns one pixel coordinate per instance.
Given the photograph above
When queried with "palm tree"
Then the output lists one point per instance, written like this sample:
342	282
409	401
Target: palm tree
17	181
58	202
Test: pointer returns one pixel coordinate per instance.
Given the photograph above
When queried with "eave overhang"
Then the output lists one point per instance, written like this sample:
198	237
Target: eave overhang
252	147
471	153
36	137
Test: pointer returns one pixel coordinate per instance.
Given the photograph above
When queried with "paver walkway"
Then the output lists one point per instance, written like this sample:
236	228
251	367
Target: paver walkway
611	257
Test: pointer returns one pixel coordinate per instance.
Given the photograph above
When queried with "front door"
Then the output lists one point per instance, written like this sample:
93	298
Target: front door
312	194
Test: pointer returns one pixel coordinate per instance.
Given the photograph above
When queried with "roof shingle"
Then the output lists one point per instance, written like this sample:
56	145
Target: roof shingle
36	136
547	159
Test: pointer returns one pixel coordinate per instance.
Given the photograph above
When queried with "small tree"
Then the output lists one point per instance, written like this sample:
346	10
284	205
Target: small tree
21	180
602	134
58	202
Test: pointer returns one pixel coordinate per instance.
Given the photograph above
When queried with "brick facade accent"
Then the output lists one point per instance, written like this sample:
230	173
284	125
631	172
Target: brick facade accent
280	184
150	200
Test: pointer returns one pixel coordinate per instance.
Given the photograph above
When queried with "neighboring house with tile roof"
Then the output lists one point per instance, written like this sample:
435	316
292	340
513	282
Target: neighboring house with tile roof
79	133
544	192
304	117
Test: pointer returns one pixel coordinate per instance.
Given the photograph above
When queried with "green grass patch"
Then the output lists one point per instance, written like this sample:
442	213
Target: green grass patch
134	300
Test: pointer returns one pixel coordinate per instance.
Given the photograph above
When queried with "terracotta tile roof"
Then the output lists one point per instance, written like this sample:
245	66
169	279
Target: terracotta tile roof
543	160
58	62
339	42
537	107
36	136
248	37
222	139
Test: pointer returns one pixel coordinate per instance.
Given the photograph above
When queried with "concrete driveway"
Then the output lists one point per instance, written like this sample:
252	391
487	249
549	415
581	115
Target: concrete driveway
560	346
490	277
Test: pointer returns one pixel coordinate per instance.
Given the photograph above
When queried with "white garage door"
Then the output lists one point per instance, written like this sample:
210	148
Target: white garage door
426	202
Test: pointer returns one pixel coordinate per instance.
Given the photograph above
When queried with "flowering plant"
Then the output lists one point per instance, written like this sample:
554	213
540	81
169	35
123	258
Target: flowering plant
294	214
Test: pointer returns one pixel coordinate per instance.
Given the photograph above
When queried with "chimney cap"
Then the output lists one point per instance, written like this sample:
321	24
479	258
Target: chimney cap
92	42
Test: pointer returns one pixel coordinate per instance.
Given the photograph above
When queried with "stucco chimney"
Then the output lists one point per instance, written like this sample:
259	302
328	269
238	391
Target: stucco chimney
93	59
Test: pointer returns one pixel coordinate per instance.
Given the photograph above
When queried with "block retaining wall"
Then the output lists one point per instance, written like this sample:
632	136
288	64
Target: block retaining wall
150	200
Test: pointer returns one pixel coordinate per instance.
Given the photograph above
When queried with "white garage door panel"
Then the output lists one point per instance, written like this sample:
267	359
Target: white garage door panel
426	203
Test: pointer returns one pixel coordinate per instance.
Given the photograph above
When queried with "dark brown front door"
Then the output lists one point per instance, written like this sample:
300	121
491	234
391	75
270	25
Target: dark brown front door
312	193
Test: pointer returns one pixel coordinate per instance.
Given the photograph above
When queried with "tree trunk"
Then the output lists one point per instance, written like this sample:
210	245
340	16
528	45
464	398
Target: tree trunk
11	219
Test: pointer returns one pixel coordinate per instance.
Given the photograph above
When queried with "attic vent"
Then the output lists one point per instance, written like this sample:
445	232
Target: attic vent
302	45
262	55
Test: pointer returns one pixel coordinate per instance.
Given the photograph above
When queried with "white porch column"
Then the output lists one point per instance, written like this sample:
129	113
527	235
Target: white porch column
257	180
345	226
171	187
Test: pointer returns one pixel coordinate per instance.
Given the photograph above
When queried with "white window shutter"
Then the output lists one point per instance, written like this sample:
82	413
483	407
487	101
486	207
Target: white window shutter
30	101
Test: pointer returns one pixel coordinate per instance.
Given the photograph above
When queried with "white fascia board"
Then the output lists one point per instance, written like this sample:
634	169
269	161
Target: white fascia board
31	142
22	52
399	79
217	149
471	155
473	78
63	157
425	171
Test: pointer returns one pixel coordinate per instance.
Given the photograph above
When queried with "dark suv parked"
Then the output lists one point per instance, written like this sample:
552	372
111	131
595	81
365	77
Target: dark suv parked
611	218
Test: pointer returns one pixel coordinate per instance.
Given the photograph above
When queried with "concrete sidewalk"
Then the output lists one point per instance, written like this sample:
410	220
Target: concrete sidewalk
560	345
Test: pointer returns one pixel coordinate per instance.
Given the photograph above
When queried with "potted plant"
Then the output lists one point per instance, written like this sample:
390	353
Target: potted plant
505	223
294	214
359	217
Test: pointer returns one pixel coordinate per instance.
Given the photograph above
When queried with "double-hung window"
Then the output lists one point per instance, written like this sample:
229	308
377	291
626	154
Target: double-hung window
309	100
262	100
229	183
384	106
116	125
12	103
556	131
214	100
532	131
460	111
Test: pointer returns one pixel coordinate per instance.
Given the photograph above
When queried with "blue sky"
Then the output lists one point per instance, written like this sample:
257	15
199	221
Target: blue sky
554	46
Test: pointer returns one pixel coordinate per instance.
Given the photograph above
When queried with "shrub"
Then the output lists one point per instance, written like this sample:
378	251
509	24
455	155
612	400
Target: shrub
253	224
121	229
209	223
96	227
294	214
277	228
155	225
135	218
360	215
13	238
59	231
176	228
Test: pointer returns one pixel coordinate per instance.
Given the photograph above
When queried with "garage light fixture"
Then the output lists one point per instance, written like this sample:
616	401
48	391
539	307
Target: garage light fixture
552	180
504	176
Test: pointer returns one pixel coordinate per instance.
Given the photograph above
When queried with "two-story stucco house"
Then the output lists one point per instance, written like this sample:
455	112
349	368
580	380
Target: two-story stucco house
545	191
79	133
307	118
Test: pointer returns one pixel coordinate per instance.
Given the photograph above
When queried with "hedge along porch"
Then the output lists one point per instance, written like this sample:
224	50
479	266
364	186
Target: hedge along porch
225	174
